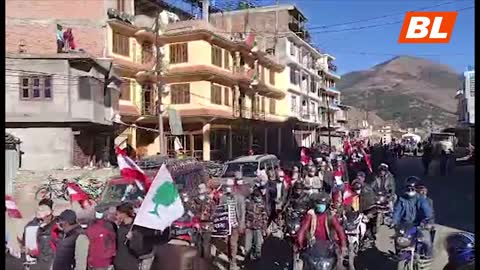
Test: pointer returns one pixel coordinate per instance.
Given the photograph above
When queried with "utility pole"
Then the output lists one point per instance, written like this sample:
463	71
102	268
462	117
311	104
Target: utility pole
158	69
328	124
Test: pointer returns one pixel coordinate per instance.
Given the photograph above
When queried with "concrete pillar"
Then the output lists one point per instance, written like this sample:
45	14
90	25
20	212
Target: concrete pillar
133	136
265	141
230	143
192	144
250	138
279	134
206	141
205	9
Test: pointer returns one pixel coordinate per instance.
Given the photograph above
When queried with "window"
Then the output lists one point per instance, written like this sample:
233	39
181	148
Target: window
180	93
216	56
35	87
271	77
147	52
294	76
226	96
121	5
292	49
226	60
272	106
216	94
293	104
313	86
179	53
120	44
125	90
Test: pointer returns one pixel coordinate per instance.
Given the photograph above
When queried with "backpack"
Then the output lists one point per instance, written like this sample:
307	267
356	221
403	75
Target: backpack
103	246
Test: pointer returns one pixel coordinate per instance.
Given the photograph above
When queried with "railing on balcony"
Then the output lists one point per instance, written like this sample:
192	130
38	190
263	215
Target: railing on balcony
149	109
258	115
242	111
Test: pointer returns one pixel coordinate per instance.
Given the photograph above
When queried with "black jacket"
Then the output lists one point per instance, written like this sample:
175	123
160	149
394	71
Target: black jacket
65	256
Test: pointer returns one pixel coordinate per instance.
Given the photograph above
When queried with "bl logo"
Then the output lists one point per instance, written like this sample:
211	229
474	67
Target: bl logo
427	27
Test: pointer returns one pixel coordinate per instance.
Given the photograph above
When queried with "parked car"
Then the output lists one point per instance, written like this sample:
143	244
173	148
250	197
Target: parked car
248	165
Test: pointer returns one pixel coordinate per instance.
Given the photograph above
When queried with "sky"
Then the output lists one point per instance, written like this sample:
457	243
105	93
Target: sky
364	48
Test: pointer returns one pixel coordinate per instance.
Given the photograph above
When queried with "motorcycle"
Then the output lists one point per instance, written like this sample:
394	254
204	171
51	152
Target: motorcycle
410	249
355	226
381	210
321	256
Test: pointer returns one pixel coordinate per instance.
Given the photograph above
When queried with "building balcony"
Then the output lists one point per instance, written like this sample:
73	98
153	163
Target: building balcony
258	115
149	110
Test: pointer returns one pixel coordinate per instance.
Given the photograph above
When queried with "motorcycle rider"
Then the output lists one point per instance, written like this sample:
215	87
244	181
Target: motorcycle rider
411	208
320	224
298	199
461	251
364	200
384	181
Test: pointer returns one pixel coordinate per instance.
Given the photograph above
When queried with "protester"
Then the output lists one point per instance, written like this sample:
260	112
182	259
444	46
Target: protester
427	157
47	235
313	180
276	195
203	209
102	237
256	221
69	41
236	204
384	181
72	249
125	258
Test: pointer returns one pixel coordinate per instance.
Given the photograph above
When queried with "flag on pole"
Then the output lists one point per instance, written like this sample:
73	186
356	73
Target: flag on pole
11	207
251	41
129	169
77	194
162	204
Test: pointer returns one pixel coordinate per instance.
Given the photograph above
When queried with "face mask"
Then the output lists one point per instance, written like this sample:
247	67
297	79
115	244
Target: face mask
98	215
411	193
321	208
228	190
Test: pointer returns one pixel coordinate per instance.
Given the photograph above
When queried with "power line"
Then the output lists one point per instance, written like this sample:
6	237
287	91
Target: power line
378	17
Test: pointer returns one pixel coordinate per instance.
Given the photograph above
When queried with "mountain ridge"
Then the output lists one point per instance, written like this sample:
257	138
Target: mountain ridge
404	90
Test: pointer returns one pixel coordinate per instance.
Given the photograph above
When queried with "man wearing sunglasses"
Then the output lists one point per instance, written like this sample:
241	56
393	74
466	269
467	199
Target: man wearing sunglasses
412	208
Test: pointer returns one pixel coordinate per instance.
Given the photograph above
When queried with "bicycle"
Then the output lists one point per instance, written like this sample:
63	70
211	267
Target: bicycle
53	188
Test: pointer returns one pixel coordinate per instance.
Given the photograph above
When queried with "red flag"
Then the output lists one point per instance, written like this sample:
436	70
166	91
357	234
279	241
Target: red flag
250	40
77	194
367	160
347	147
305	156
130	170
11	207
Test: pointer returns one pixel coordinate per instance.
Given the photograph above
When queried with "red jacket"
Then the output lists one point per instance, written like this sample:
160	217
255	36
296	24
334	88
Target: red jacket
321	229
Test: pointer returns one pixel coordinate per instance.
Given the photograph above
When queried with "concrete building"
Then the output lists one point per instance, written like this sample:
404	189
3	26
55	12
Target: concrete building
60	107
466	99
312	77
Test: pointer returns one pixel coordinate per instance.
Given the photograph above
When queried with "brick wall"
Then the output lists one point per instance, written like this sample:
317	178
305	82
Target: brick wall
34	22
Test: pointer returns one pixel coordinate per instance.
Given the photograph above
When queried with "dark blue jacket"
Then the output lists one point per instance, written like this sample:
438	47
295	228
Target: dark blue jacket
412	210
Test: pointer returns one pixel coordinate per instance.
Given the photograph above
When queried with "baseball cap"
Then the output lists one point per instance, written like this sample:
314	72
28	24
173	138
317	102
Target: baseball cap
68	216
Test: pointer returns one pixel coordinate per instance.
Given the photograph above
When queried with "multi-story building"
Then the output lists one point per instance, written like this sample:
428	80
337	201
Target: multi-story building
60	107
466	99
312	77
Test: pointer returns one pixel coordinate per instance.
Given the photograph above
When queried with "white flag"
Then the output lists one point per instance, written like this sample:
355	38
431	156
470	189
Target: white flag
162	204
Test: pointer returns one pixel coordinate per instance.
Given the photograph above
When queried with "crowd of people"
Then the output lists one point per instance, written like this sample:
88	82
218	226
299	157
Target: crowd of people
324	187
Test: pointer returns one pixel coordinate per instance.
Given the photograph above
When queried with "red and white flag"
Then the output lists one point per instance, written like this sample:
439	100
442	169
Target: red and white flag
77	194
130	170
11	207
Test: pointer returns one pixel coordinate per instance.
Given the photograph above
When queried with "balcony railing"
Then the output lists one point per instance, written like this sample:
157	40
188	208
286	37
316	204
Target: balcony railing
242	112
259	115
149	109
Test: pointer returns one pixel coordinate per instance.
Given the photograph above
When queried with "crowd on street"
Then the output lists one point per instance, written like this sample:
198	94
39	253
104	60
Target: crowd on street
328	206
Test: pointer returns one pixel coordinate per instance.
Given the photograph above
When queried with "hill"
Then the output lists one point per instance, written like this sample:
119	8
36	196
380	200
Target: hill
405	91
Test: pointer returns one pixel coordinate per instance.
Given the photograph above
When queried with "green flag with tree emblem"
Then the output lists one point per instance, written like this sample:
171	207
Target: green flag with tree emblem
162	204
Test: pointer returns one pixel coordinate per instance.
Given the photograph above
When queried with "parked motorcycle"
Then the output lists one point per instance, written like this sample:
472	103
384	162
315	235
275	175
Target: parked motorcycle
410	249
355	226
321	256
